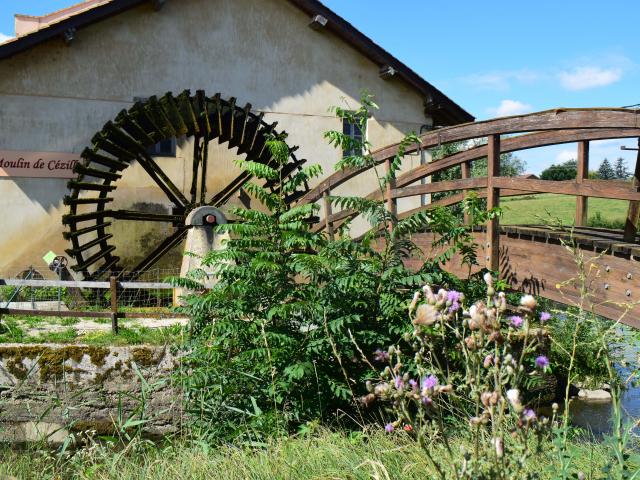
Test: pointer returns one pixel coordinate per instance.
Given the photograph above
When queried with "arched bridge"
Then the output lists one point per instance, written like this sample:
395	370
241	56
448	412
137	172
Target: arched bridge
533	259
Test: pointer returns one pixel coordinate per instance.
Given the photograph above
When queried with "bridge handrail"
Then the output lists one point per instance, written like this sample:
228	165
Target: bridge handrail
549	120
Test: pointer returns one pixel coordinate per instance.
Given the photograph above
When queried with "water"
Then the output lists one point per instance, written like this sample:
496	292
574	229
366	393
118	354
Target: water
596	416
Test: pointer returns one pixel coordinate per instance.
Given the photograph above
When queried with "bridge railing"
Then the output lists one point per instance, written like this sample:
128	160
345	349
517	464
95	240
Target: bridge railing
497	137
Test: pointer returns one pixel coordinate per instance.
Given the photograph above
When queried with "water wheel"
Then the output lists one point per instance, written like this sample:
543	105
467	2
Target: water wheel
127	139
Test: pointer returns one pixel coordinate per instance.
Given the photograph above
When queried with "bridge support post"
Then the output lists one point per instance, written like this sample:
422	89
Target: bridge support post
582	203
466	173
328	212
633	215
493	201
392	203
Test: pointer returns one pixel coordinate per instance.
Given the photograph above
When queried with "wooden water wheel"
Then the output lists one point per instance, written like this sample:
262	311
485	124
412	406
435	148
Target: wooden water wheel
127	139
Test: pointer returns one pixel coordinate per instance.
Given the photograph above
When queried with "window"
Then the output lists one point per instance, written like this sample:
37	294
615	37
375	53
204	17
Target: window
353	131
164	148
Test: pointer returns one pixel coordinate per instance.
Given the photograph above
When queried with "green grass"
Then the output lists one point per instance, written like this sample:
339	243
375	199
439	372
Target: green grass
323	456
528	209
12	330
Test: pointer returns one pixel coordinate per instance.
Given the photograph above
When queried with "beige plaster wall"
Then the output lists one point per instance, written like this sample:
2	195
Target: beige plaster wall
54	98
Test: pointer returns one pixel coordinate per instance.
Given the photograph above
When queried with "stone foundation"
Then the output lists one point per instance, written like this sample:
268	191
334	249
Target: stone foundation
48	391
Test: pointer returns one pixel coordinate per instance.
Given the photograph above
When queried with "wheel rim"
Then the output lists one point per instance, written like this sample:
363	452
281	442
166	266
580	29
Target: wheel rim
127	139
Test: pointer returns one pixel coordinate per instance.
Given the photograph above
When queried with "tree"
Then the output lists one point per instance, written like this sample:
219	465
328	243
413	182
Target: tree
563	171
606	171
621	170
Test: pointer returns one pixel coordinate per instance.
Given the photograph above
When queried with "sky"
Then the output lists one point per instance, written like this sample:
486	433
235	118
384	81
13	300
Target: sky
496	57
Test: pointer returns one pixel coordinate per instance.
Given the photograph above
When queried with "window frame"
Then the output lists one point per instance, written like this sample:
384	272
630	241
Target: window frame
353	132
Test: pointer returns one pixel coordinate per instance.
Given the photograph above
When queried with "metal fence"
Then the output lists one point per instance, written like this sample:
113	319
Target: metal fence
31	293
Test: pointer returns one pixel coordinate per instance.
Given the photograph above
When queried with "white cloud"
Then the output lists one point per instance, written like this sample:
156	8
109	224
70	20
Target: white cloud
510	107
582	78
4	38
566	155
501	80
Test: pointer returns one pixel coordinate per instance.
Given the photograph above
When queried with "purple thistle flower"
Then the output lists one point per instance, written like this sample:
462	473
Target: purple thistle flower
399	383
430	382
516	321
413	384
381	356
389	428
453	296
455	299
542	362
529	415
545	317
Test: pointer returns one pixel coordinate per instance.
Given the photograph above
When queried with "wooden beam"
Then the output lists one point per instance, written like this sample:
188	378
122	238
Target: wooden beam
493	201
392	203
633	215
466	174
620	190
511	144
445	186
582	203
327	215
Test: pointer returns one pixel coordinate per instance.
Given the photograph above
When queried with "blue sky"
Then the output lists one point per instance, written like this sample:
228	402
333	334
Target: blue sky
496	57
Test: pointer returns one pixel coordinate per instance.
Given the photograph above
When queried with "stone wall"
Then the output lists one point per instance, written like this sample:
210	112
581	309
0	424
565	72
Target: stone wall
53	390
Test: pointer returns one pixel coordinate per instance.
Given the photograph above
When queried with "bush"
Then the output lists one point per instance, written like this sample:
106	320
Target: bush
278	341
564	171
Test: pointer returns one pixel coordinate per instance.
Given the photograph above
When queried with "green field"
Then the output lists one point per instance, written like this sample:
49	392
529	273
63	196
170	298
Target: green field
529	209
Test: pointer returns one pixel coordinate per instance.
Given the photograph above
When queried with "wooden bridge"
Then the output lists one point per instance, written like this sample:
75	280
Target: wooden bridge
531	258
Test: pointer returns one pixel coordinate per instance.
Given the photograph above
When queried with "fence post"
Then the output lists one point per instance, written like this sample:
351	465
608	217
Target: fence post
633	215
582	203
328	212
493	200
392	203
466	173
113	285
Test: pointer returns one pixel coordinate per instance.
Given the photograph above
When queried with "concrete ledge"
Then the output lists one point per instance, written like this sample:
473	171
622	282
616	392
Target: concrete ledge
48	390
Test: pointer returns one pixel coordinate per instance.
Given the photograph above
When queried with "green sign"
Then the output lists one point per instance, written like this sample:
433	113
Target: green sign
49	258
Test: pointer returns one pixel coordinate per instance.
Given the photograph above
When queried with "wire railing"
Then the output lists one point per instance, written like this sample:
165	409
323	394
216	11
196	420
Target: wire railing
36	293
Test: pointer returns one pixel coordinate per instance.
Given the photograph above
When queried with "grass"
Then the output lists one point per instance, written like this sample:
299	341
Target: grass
326	455
12	330
528	209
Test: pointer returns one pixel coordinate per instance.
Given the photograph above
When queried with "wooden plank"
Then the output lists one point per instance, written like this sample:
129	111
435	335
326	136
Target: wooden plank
589	188
11	282
327	215
392	203
155	315
52	283
62	314
446	186
493	201
466	173
511	144
113	289
582	203
633	214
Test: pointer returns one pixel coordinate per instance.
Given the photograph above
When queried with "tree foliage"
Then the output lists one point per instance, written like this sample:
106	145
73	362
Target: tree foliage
563	171
279	340
606	171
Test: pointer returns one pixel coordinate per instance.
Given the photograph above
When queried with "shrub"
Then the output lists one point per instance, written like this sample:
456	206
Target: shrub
275	339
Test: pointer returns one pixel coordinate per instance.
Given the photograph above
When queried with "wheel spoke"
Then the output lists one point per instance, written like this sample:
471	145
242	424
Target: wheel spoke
151	259
205	159
223	195
144	216
162	180
196	164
